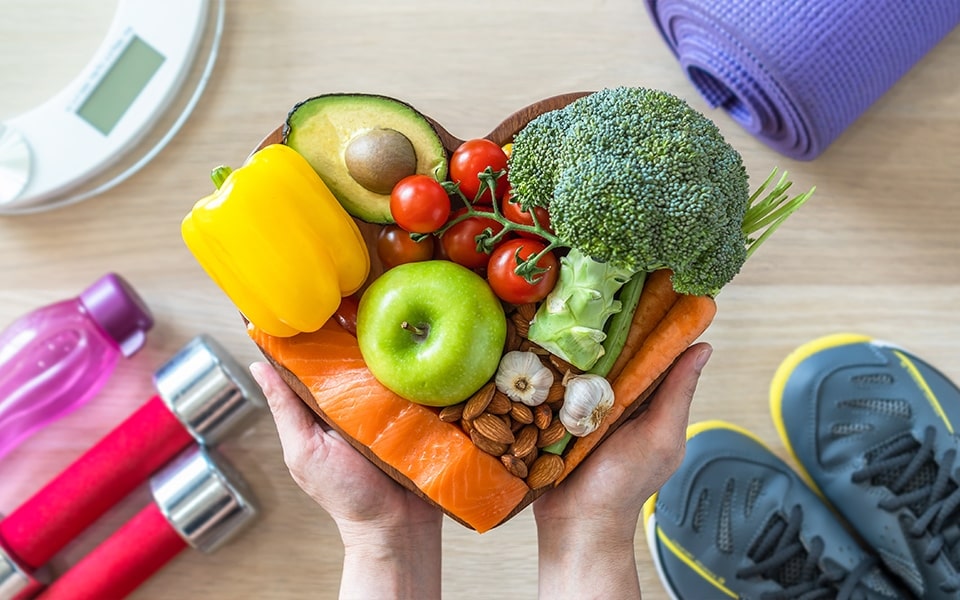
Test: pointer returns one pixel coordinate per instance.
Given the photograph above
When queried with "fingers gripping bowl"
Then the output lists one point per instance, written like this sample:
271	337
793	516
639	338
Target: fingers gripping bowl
477	343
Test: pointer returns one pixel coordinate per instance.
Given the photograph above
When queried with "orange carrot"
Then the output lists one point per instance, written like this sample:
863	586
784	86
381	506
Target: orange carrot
656	299
680	327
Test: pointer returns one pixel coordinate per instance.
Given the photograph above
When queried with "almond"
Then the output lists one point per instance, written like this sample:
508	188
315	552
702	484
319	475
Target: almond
515	465
542	415
521	413
528	346
493	428
562	366
488	445
530	458
513	339
500	404
552	434
451	414
556	391
545	471
479	401
526	442
522	325
527	311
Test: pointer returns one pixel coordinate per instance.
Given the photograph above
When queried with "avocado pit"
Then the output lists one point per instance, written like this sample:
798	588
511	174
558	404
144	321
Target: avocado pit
378	158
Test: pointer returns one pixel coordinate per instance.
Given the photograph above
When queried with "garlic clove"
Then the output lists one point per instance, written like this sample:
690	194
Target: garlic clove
523	377
586	402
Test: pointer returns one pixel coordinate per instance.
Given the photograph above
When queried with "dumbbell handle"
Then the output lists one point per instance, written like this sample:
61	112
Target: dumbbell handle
199	501
88	488
118	566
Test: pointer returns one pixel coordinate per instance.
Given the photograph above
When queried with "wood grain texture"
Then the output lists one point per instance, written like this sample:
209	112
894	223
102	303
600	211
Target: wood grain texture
876	251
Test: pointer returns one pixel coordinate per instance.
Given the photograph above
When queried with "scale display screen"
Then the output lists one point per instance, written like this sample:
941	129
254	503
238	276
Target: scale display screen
120	85
118	112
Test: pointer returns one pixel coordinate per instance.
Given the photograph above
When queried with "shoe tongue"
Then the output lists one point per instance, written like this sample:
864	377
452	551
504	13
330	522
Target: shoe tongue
791	571
922	478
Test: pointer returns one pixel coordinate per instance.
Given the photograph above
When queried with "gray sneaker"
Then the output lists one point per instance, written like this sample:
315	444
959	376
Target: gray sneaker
872	426
735	521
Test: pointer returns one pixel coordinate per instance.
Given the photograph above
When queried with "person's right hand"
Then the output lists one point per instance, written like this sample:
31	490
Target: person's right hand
342	481
391	536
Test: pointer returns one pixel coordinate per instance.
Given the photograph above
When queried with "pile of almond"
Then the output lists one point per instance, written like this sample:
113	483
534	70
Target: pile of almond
513	431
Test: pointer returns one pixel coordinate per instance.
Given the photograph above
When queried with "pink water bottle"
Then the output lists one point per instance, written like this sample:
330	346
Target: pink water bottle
55	358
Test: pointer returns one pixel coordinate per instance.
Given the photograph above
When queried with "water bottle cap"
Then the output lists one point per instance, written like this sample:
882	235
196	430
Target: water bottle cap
119	310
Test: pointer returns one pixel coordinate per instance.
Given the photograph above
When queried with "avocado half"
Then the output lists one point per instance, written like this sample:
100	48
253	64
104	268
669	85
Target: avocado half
362	144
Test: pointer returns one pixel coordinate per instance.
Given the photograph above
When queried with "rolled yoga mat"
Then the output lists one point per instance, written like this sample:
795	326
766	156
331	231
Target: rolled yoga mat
797	73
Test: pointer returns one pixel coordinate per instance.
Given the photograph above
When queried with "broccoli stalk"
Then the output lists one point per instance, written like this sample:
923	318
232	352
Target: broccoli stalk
570	321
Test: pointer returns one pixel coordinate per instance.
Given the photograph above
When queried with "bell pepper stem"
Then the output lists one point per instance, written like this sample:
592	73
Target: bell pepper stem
220	174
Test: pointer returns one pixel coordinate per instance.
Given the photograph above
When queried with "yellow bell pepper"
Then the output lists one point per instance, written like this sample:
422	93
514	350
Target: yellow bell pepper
278	243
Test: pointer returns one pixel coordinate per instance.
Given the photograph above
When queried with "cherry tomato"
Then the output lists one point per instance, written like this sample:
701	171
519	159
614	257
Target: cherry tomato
419	204
396	247
346	313
513	288
460	241
470	159
513	212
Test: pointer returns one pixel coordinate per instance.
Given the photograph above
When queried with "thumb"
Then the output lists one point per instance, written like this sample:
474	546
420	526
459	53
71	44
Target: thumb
294	421
659	431
669	408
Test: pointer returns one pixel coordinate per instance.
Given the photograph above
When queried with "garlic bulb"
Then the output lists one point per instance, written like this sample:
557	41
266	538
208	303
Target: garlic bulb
523	378
587	400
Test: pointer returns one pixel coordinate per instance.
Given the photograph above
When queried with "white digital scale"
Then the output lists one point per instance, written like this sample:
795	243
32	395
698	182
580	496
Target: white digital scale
118	113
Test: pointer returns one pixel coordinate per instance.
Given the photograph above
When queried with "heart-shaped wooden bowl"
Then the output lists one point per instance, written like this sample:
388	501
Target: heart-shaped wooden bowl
501	135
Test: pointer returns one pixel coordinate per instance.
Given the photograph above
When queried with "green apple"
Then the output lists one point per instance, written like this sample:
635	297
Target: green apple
432	331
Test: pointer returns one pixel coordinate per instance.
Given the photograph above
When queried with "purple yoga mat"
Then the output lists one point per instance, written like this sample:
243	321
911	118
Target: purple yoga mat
797	73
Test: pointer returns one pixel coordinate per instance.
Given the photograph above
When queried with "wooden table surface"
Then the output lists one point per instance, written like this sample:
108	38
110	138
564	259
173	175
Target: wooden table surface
875	252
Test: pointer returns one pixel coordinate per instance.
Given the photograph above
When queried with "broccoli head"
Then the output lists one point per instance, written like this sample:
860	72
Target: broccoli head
638	178
635	180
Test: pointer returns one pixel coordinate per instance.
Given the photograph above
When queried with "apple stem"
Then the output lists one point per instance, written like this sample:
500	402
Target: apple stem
420	332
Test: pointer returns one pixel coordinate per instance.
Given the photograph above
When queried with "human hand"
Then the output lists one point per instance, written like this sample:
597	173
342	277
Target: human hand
391	536
588	523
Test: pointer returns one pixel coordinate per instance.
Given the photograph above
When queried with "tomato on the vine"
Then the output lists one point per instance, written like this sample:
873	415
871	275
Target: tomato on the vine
469	160
346	313
460	241
396	247
419	204
512	211
513	288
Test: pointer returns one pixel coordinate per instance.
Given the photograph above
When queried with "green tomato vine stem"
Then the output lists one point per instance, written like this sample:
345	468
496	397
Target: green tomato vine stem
487	239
